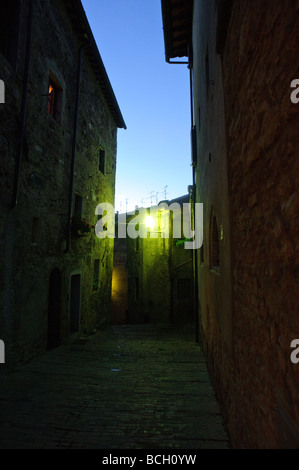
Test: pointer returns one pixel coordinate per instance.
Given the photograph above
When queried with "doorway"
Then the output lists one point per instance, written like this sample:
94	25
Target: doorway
54	309
75	303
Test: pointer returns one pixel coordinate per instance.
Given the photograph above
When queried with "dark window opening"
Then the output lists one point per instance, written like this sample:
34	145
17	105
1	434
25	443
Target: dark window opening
54	100
78	206
9	29
137	289
202	255
102	160
75	303
35	227
184	289
215	250
207	73
96	275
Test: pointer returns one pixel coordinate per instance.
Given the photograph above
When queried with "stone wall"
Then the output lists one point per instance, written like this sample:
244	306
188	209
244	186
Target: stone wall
160	274
247	176
260	61
33	234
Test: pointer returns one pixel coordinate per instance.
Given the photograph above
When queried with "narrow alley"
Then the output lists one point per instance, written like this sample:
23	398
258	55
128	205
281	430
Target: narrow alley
128	387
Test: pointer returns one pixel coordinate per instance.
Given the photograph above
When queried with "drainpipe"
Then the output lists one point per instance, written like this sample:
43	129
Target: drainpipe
23	113
194	162
73	159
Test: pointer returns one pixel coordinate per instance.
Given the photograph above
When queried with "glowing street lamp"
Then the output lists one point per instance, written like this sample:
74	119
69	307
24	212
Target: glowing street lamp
149	222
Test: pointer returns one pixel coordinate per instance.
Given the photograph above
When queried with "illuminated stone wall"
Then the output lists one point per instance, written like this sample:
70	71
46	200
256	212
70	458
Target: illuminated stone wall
160	276
33	234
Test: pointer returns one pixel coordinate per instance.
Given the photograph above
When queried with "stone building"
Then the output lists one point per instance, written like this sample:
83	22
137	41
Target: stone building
58	143
243	58
153	273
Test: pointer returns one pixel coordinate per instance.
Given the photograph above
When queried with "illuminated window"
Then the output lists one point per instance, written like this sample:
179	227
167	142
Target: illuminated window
54	100
102	160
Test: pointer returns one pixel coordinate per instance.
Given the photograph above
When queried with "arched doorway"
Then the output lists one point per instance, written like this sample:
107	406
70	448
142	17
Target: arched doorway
54	309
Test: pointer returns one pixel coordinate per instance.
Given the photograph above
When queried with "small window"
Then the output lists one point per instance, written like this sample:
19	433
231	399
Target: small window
35	227
207	61
202	255
137	289
55	100
215	251
78	206
184	289
96	275
102	160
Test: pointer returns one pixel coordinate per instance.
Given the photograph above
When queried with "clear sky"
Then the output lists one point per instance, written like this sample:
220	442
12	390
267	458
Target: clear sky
154	98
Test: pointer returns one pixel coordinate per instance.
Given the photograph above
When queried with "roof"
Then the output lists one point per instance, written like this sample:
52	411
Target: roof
177	24
79	19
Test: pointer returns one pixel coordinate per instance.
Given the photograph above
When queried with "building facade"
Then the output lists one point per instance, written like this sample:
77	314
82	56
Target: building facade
58	143
242	60
153	272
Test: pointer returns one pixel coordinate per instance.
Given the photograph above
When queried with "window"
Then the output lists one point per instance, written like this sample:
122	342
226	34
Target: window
137	293
54	99
9	29
215	252
96	275
184	289
35	224
202	255
102	160
78	206
207	72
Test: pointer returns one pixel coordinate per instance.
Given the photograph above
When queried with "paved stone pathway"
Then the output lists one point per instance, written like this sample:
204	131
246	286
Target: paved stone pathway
129	387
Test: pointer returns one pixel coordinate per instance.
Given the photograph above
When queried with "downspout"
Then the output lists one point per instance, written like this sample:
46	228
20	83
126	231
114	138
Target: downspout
193	195
194	162
23	114
74	148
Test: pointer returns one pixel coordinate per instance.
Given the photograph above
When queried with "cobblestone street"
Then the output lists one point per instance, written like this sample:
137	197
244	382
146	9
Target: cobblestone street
129	387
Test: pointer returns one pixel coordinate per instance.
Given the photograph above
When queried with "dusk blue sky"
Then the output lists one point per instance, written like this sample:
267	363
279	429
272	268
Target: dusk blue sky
153	96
